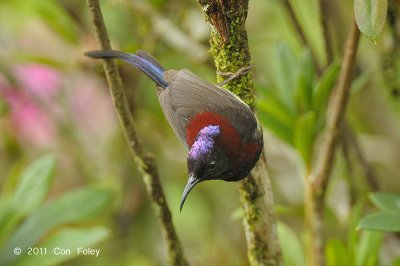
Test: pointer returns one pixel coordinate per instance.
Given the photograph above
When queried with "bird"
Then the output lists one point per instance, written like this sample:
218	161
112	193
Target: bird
223	136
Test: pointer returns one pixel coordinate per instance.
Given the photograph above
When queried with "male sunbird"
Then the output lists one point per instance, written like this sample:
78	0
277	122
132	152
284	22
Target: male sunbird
221	132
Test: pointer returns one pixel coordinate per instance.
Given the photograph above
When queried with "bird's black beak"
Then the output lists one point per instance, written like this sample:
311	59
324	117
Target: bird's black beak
189	186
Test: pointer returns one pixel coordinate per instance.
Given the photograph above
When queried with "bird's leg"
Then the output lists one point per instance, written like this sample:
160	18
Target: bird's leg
231	76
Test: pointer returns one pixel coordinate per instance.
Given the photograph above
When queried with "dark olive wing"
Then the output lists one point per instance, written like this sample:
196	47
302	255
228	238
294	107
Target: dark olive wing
189	95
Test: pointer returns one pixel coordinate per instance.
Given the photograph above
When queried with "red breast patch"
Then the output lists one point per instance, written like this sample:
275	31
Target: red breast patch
229	138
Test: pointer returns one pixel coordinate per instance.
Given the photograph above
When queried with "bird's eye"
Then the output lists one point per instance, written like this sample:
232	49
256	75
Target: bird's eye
212	165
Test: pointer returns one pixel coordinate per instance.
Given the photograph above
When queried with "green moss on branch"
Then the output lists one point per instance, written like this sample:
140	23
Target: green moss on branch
229	47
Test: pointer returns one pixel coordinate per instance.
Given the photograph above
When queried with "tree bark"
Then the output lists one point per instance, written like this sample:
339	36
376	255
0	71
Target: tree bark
229	47
144	161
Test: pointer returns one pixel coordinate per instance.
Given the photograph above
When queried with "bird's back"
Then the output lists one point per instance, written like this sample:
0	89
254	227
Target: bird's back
188	95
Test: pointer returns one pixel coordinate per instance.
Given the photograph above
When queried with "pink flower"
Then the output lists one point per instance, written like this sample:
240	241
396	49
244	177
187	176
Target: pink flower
27	121
38	79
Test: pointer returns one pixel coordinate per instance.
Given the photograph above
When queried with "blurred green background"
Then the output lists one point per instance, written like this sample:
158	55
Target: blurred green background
55	101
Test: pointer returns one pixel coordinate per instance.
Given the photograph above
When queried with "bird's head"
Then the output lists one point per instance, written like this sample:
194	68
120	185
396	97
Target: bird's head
207	160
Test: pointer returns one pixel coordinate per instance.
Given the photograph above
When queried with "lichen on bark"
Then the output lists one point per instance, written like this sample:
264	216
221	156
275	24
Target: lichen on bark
229	45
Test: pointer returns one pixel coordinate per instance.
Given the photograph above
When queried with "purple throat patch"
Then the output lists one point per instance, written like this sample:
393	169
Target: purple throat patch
204	141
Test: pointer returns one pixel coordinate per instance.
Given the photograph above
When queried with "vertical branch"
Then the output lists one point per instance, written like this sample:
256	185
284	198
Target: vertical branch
323	17
312	225
145	162
229	46
259	220
335	115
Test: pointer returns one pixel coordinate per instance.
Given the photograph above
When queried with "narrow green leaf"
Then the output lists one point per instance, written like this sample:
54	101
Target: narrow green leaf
270	120
292	250
368	248
381	221
278	110
9	218
64	245
287	74
324	87
336	253
31	190
73	207
352	232
370	17
386	201
276	116
304	135
304	89
26	57
34	184
12	179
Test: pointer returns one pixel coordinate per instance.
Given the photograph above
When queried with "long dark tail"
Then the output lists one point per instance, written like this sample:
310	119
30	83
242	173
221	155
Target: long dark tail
142	60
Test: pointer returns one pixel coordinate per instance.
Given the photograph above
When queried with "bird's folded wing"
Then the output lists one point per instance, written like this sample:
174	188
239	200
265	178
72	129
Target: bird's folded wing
189	95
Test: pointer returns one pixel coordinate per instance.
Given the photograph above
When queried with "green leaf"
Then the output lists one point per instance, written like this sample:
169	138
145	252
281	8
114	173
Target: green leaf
367	250
26	57
73	207
287	74
381	221
386	201
55	17
50	12
370	17
292	251
277	109
12	179
276	117
352	232
324	87
31	190
34	185
67	241
269	118
304	89
336	254
304	135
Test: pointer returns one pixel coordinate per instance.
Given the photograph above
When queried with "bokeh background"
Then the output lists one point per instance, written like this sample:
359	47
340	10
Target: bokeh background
54	100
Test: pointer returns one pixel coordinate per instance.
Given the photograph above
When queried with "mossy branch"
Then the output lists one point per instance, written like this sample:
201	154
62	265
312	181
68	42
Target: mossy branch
229	46
145	161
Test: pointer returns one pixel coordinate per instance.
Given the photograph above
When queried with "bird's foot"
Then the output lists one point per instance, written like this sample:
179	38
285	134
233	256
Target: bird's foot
231	76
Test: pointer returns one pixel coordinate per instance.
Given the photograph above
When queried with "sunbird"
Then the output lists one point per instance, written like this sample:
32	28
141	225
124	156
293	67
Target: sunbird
220	131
